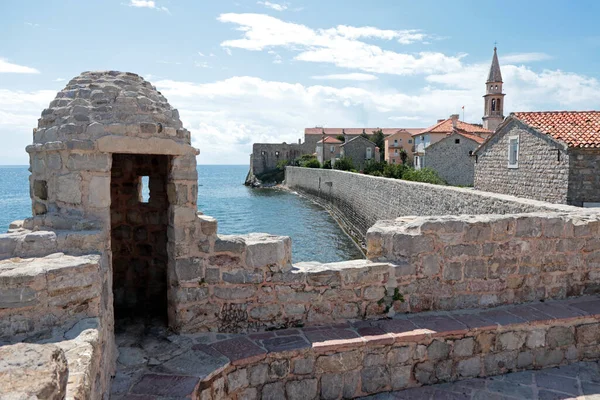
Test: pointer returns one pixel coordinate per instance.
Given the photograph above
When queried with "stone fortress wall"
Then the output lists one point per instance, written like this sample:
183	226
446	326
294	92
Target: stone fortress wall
66	272
361	200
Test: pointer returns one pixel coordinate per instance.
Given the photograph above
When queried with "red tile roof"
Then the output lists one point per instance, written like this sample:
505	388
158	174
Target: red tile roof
356	131
471	136
329	139
445	126
575	128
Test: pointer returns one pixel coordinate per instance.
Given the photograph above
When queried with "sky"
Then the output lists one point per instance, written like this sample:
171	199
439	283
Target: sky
241	72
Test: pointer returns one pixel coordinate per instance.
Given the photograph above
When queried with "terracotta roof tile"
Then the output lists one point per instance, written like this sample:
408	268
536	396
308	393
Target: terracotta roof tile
471	136
356	131
445	126
575	128
331	140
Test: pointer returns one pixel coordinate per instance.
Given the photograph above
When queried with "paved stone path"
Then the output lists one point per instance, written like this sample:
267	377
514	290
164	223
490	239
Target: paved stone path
153	363
579	381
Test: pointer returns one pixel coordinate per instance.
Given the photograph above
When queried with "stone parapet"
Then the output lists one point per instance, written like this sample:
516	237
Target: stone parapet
361	200
365	358
457	262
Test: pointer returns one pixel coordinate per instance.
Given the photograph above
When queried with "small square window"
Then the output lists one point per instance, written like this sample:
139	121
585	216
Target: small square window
276	154
456	141
409	141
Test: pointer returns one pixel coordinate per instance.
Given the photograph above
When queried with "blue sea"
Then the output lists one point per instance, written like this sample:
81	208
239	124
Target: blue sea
239	209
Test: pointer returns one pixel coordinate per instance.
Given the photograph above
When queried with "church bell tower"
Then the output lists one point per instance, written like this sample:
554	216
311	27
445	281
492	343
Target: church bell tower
493	112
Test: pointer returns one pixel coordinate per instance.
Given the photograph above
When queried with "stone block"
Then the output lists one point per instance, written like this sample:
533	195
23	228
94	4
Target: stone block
69	188
12	297
243	276
400	376
257	375
463	347
268	251
273	391
230	244
469	368
525	359
438	350
189	269
267	312
375	379
33	371
500	363
99	192
89	162
443	370
431	264
279	369
339	362
424	373
305	389
237	380
588	334
452	271
548	357
332	386
208	225
559	336
536	338
234	293
399	355
303	366
510	341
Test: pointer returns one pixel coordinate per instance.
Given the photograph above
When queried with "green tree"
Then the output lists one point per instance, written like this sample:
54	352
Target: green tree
341	138
403	156
379	139
372	167
312	163
327	164
426	175
344	164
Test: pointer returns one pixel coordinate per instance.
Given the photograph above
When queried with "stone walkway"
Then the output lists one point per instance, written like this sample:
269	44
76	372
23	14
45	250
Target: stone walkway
153	363
576	381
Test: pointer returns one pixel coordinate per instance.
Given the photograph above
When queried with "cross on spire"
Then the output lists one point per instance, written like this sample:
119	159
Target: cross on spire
495	44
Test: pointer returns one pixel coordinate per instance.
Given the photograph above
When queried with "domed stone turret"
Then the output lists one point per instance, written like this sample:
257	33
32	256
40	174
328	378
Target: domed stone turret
96	104
84	134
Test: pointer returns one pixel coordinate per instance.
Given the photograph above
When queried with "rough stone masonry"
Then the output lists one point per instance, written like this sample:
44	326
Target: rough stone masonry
116	231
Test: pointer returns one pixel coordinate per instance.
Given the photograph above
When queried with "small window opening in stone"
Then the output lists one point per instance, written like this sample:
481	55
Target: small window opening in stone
456	141
40	189
144	189
276	154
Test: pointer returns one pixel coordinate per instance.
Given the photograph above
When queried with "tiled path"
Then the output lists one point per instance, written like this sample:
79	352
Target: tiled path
576	381
153	363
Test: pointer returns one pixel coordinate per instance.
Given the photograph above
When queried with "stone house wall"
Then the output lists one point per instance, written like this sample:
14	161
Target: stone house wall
265	156
541	173
357	150
584	176
361	200
451	160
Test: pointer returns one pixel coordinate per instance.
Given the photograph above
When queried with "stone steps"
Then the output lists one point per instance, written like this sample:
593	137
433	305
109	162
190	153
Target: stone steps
368	357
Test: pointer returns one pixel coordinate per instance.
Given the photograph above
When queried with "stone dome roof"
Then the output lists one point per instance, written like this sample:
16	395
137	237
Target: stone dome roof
100	103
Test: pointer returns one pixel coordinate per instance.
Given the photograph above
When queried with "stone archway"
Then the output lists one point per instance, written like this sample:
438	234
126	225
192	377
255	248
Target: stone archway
139	220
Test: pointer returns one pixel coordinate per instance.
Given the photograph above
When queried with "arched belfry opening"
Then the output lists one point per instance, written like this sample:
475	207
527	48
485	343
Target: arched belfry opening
139	220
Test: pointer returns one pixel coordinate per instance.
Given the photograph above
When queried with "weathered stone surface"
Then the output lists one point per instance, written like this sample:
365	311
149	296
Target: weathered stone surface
340	362
302	389
33	371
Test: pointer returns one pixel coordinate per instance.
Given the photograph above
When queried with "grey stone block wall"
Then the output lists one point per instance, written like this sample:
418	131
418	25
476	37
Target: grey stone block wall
451	160
584	176
265	156
361	200
541	175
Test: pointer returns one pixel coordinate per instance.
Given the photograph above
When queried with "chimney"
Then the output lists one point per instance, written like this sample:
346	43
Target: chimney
440	120
300	141
454	118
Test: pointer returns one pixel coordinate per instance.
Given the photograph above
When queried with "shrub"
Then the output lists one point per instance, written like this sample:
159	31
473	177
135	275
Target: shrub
282	164
426	175
373	166
394	170
312	163
344	164
341	138
403	156
327	164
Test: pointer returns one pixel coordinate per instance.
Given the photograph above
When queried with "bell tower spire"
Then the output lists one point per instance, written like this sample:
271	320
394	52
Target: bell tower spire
493	100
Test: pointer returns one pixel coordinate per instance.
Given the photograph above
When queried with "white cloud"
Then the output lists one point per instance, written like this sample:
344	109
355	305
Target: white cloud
147	4
32	24
404	118
6	67
201	54
355	76
59	80
274	6
227	50
168	62
339	46
19	112
201	64
524	57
